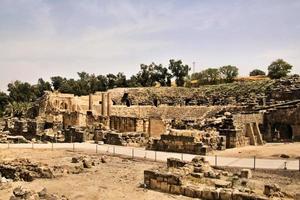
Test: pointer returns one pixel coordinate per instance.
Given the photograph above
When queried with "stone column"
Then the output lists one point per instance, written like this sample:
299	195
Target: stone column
90	102
109	102
104	104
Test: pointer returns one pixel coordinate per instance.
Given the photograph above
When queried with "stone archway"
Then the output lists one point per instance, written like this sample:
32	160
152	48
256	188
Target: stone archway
63	106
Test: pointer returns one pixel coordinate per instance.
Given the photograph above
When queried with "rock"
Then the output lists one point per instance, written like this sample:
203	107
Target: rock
175	162
222	184
271	189
297	196
3	180
75	160
284	156
43	193
87	163
197	175
227	114
23	193
198	159
246	173
20	193
103	159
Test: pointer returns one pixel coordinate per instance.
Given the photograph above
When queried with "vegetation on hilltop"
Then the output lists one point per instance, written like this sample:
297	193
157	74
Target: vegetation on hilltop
22	93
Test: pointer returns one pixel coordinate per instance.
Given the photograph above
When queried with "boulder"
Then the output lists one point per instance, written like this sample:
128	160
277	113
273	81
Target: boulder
87	163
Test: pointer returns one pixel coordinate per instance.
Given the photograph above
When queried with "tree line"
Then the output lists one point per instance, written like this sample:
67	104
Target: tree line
22	93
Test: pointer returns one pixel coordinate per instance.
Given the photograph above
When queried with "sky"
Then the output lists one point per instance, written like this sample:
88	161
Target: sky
44	38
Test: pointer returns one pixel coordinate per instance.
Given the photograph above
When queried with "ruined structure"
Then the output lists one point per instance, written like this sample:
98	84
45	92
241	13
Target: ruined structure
197	179
239	114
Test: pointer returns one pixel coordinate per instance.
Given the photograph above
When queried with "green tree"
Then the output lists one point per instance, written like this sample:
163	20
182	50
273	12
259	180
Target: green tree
161	75
102	83
179	71
145	77
111	81
17	109
57	82
41	87
228	73
133	81
4	101
21	92
278	69
121	80
257	72
209	76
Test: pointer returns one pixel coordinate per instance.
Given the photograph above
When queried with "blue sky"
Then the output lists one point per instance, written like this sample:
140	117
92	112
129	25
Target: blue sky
43	38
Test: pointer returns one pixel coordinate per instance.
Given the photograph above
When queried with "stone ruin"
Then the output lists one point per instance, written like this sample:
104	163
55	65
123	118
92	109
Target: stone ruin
129	116
24	170
21	193
189	141
197	179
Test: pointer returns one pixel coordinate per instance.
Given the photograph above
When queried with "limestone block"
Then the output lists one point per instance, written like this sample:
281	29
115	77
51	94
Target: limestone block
226	194
165	187
246	173
175	189
210	194
154	184
222	184
189	192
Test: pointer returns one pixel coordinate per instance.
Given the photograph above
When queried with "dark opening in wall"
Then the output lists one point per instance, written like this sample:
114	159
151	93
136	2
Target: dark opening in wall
187	102
125	99
113	102
64	105
128	104
285	131
100	102
155	102
48	125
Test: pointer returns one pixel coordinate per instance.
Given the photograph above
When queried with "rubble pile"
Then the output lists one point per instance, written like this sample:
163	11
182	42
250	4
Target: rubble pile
21	193
24	169
197	179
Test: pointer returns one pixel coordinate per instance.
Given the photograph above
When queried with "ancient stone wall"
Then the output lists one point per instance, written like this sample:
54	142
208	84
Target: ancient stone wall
156	127
188	141
164	112
74	119
285	120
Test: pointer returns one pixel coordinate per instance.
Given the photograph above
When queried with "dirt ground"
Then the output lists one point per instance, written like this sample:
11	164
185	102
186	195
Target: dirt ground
269	150
118	178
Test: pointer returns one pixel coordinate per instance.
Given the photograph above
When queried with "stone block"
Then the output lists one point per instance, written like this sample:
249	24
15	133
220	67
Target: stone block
189	192
226	194
222	184
165	187
236	195
246	173
154	184
176	189
175	162
210	194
